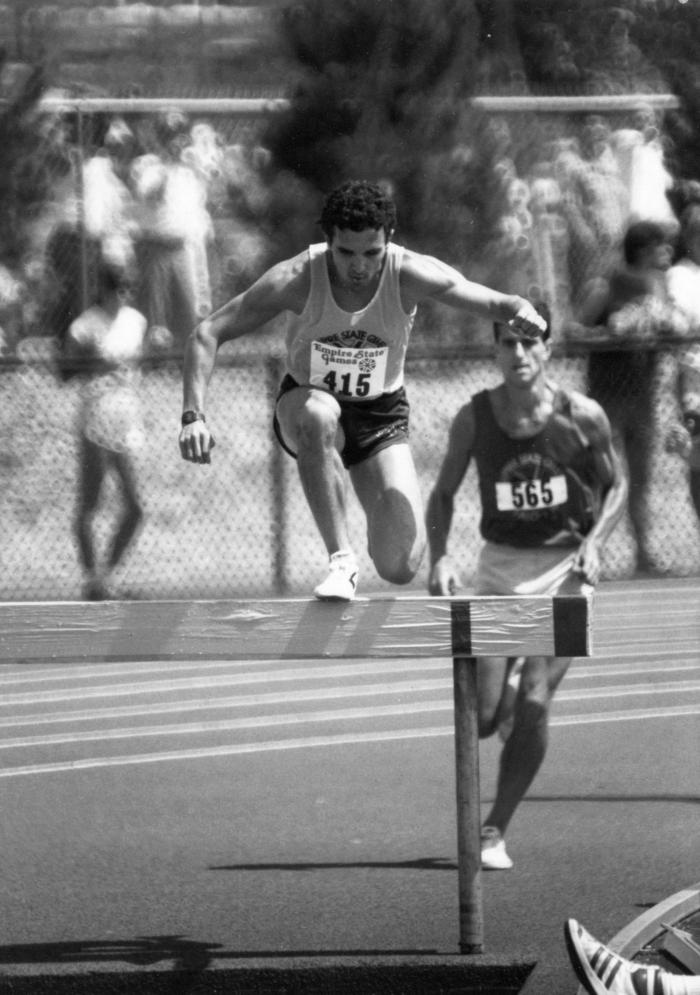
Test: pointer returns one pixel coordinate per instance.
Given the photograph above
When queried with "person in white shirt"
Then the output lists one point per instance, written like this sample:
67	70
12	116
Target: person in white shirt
684	293
104	346
174	287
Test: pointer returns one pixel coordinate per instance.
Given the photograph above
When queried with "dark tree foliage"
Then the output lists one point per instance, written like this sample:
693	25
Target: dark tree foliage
383	95
632	46
25	166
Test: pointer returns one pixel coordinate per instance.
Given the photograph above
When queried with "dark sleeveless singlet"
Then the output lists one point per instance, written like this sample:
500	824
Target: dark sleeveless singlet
538	491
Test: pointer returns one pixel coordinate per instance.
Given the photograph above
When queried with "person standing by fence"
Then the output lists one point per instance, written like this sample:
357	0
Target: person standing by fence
174	289
633	306
104	347
552	491
684	292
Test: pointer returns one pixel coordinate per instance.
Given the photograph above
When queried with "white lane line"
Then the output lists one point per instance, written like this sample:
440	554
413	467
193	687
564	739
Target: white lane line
626	715
580	670
26	675
397	688
239	701
583	671
228	750
270	719
628	690
185	683
228	725
311	742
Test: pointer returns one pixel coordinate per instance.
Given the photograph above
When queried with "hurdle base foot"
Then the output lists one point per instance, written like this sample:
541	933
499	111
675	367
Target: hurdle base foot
390	974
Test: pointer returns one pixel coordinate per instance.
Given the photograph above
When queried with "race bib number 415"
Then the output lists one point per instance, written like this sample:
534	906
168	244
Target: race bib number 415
348	372
531	495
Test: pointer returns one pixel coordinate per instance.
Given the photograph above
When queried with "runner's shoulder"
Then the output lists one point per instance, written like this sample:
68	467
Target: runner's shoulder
587	413
288	281
423	275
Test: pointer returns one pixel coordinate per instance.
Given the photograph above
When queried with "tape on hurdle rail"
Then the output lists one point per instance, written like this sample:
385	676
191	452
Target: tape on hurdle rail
395	627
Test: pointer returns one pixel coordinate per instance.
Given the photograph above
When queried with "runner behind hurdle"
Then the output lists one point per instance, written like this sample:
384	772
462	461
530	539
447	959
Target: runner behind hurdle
349	304
552	490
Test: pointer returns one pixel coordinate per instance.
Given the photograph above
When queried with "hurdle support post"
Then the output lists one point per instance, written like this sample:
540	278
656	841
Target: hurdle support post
463	629
471	915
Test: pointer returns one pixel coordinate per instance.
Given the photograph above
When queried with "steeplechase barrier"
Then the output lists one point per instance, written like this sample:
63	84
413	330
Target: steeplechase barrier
396	627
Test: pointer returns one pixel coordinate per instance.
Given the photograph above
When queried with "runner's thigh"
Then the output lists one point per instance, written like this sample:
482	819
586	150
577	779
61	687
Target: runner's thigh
305	402
387	487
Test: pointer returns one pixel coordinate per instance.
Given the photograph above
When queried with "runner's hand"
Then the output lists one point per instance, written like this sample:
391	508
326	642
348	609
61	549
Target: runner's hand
196	442
528	322
444	579
587	562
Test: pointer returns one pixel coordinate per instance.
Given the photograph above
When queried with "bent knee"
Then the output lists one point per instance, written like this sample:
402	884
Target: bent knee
396	574
317	423
399	569
486	725
531	713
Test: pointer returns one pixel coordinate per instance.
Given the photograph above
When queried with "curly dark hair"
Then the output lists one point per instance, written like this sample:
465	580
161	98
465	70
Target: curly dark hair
356	206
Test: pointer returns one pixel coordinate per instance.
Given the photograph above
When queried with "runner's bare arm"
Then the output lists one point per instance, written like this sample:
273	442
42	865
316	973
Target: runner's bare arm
284	287
595	425
425	277
444	576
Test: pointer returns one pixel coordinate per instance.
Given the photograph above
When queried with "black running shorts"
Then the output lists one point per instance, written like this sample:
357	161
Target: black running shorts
368	425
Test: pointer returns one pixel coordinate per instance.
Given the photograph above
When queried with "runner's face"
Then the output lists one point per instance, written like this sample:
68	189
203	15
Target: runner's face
522	360
357	257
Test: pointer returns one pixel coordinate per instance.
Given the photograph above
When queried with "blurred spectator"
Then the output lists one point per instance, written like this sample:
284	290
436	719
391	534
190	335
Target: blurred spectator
640	156
634	308
684	438
684	276
550	241
107	343
245	240
109	210
684	291
204	155
11	299
174	228
593	200
70	253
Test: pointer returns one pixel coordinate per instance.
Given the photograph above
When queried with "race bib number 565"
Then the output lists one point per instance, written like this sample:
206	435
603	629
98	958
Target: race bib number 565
531	495
348	372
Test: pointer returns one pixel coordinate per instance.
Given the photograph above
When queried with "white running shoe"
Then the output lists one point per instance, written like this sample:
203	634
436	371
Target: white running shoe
602	972
341	582
493	850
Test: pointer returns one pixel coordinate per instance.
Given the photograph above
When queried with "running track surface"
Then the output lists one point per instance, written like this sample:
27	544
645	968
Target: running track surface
162	813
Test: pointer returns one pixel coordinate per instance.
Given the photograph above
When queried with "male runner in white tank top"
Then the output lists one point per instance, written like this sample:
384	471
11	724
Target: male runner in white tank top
349	304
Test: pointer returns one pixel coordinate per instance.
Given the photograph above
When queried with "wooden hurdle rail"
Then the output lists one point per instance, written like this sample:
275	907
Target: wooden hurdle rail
392	627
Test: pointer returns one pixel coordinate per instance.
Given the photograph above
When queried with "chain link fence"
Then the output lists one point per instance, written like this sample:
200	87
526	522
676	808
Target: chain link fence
240	527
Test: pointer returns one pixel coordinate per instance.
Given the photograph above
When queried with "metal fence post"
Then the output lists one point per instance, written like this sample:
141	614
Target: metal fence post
274	371
80	197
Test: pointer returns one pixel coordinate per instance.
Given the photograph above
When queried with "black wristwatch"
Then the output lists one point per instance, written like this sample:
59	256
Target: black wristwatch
189	416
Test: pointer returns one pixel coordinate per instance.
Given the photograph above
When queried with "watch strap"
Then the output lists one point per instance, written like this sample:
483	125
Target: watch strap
191	416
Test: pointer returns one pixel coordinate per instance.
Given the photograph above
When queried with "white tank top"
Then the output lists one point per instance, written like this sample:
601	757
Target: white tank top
353	354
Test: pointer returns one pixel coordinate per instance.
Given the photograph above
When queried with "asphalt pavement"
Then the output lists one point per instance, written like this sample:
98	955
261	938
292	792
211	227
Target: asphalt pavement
173	814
